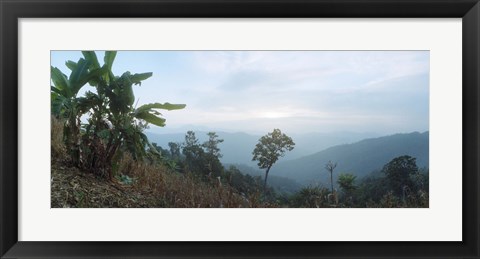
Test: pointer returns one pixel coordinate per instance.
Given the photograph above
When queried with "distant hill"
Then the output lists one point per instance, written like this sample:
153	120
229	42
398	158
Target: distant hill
359	158
237	147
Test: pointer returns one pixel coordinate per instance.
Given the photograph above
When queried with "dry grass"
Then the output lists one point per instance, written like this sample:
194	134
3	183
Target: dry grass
154	186
418	200
58	150
182	190
72	188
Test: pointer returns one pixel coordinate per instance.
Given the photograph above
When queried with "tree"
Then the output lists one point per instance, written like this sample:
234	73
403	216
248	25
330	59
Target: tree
212	152
330	166
270	148
372	188
399	174
244	183
421	179
347	184
114	124
211	145
199	160
174	150
194	154
191	147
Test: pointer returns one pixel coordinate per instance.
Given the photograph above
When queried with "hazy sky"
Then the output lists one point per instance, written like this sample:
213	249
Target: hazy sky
297	91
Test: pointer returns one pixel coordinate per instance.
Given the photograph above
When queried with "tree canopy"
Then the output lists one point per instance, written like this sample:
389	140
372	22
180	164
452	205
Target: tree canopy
270	148
399	173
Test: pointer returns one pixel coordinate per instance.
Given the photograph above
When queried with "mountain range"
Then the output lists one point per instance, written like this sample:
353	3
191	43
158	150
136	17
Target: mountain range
360	158
237	147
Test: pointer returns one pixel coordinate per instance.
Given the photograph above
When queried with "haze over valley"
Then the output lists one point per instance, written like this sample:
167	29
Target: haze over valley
356	153
254	129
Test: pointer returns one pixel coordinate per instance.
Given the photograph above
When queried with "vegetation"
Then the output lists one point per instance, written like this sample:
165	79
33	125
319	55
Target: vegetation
399	173
101	157
114	125
347	183
360	158
270	148
330	167
310	197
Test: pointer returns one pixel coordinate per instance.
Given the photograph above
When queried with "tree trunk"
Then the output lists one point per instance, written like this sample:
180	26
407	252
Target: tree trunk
331	179
265	183
74	141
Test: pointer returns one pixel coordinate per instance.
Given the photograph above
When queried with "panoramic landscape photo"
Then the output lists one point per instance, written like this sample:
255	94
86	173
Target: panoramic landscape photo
239	129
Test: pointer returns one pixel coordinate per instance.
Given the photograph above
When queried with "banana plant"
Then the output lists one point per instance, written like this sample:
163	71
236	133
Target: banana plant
64	101
135	140
114	124
149	113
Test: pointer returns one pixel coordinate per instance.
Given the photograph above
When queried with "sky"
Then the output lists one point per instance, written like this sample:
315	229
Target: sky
383	92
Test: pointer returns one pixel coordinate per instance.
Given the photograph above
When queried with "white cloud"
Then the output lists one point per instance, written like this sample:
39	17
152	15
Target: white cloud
299	90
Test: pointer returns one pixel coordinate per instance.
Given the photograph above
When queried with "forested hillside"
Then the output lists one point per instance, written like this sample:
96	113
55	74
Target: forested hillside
278	183
102	157
359	158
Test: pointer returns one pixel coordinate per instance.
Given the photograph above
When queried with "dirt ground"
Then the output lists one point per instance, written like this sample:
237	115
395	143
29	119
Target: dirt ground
71	188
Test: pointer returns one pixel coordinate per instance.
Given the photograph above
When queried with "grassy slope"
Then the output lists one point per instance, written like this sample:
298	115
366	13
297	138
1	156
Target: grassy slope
72	188
153	187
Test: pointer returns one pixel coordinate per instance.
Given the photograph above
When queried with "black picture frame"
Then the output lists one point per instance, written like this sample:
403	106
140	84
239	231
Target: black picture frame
12	10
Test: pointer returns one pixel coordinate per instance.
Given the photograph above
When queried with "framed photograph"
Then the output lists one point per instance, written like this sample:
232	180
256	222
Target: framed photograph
321	129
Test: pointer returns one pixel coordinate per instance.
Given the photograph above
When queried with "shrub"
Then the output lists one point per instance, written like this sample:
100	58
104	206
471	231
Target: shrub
310	197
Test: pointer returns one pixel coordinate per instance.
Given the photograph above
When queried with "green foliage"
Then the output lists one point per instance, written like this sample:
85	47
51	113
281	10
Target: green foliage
190	140
148	112
282	185
115	127
244	183
173	165
64	101
202	158
270	148
310	197
174	150
399	173
211	146
212	154
362	157
194	154
347	182
371	189
421	179
113	124
403	186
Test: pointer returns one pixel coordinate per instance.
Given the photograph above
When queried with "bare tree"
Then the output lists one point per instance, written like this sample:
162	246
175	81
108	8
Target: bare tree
330	166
